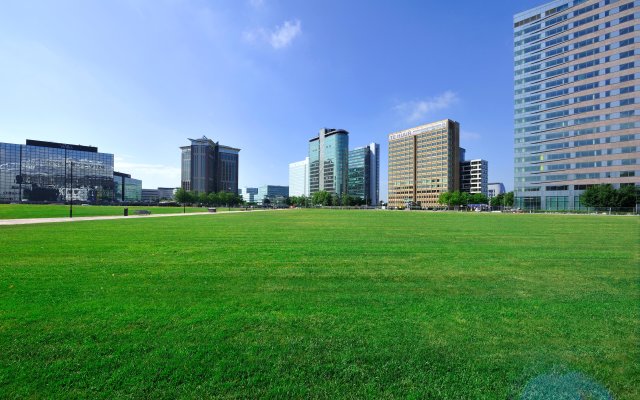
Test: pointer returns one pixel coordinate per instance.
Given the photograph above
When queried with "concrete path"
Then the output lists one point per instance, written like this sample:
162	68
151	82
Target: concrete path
25	221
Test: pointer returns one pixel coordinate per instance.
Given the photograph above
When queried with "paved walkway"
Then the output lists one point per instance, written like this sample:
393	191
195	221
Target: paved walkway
25	221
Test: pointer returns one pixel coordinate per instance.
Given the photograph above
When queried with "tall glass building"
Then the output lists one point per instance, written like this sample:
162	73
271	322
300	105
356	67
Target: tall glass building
577	119
328	161
299	178
55	172
364	173
208	166
126	188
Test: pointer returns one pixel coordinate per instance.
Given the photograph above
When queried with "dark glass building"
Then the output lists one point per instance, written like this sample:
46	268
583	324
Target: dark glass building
126	189
55	172
364	172
328	161
208	166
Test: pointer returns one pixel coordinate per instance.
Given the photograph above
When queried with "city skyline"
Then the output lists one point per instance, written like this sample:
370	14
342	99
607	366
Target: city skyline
245	73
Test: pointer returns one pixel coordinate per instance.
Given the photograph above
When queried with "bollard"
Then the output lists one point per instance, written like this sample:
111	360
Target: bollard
126	212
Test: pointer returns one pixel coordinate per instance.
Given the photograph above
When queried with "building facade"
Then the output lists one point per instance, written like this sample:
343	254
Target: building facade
126	189
273	193
364	173
423	163
577	119
248	194
208	166
150	196
474	176
494	189
165	193
55	172
328	161
299	178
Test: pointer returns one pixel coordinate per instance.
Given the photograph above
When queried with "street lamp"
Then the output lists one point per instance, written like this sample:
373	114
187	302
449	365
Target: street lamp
71	197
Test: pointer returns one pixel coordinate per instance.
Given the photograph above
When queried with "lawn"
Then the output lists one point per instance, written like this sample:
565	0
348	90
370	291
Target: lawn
322	304
13	211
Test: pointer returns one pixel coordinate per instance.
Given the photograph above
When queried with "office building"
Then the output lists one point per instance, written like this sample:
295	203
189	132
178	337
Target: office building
208	166
495	189
328	161
126	189
41	171
299	178
273	193
364	173
423	163
150	195
167	193
248	194
474	176
577	117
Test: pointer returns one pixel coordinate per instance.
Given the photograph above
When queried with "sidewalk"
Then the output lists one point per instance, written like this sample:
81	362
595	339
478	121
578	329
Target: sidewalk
26	221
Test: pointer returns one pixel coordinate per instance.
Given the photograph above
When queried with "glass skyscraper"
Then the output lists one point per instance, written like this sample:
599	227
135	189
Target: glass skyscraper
577	119
328	161
364	173
55	172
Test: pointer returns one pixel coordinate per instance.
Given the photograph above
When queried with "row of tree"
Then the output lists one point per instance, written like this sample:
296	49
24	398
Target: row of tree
605	196
324	198
208	199
458	199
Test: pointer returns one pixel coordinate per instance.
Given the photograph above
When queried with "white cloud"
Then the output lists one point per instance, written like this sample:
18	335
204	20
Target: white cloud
279	38
285	34
417	110
152	175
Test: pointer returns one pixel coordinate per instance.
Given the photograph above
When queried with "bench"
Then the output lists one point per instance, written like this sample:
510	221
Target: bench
142	212
212	210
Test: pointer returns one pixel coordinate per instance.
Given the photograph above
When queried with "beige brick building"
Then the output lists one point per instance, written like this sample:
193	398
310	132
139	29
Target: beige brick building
423	163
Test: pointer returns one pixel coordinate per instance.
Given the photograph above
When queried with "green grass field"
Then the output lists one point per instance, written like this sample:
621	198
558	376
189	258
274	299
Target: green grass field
14	211
321	304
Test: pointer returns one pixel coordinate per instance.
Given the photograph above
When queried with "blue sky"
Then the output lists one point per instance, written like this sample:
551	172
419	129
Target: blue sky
137	78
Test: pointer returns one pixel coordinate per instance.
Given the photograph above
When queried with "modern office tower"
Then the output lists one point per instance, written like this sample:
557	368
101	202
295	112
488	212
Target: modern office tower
577	117
364	173
474	176
299	178
494	189
328	161
55	172
423	163
150	195
248	194
208	166
126	189
273	193
463	154
165	193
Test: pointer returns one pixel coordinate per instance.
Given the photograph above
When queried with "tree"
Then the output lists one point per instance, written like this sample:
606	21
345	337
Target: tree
503	199
599	196
627	196
184	197
478	198
213	199
445	198
203	198
322	198
605	196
